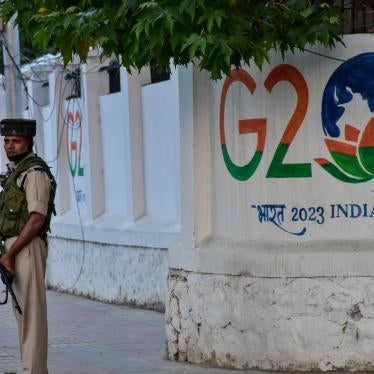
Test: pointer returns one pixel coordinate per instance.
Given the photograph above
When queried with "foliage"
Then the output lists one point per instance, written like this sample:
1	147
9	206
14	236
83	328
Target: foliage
215	34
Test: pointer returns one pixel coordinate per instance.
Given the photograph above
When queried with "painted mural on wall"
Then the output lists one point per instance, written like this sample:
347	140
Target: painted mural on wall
277	168
353	156
74	143
348	141
75	153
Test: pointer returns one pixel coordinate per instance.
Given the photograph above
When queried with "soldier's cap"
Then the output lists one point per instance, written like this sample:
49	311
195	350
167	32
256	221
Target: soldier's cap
18	126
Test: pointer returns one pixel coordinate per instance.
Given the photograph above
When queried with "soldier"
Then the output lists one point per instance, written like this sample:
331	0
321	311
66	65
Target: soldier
26	206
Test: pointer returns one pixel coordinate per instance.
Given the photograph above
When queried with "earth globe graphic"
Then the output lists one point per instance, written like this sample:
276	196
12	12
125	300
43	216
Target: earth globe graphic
351	148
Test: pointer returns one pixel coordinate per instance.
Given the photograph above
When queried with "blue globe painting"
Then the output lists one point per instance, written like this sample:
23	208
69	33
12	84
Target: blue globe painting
353	156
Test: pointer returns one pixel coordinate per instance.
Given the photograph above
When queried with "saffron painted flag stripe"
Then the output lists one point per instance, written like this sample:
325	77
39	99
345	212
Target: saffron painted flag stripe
254	126
321	161
351	133
340	147
367	139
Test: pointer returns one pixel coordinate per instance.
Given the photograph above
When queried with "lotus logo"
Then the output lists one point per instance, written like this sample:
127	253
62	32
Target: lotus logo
351	148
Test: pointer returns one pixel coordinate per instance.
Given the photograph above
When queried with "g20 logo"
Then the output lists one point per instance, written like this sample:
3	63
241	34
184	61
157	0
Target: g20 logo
353	155
74	143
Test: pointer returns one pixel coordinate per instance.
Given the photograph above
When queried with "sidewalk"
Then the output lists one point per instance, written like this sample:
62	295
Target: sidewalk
89	337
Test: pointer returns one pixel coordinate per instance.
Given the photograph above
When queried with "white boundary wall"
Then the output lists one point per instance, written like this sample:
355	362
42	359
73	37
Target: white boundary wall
252	283
116	159
141	174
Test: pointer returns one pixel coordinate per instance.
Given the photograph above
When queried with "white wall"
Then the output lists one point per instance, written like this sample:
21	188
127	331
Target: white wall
161	145
111	273
250	290
155	179
113	123
225	209
117	166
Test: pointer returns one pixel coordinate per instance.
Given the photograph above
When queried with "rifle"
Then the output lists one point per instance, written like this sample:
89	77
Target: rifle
7	279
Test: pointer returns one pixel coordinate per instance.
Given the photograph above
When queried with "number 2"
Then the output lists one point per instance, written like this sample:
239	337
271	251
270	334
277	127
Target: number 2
277	168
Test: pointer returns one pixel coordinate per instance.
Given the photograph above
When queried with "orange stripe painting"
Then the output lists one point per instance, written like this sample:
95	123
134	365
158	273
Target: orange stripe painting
340	147
255	125
367	139
321	161
236	76
351	133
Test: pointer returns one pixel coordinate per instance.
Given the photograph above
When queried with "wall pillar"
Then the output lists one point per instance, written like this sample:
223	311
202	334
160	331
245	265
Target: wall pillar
273	269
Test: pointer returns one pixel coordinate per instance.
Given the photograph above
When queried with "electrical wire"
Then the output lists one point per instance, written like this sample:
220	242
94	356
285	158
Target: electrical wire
5	44
64	122
62	92
38	105
66	126
323	55
83	237
336	58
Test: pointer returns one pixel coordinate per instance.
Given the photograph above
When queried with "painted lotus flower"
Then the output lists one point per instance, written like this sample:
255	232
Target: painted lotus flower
354	157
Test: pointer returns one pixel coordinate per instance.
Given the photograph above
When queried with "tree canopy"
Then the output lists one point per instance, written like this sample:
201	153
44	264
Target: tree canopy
216	34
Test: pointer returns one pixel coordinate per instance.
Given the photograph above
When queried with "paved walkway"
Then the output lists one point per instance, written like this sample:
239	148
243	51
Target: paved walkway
89	337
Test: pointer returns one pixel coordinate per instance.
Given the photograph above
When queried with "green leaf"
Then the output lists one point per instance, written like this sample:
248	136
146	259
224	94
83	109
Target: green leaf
334	20
148	4
53	15
189	7
324	37
307	12
42	37
169	21
210	17
102	40
221	33
190	41
72	9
